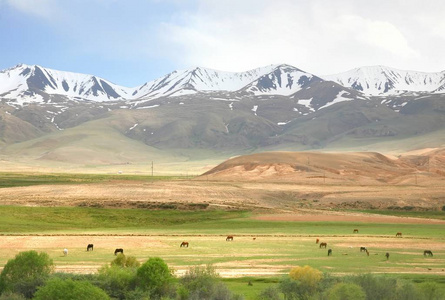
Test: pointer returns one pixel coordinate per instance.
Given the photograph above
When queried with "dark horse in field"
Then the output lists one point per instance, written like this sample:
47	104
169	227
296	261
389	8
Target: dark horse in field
118	250
90	247
317	240
229	238
323	245
355	231
427	253
398	234
329	252
184	244
387	255
363	249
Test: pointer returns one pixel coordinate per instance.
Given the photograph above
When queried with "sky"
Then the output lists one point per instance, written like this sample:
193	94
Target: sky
134	41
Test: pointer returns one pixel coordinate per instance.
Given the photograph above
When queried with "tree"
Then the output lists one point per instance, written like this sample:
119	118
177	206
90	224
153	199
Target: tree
203	283
346	291
125	261
24	273
117	281
59	289
306	275
154	276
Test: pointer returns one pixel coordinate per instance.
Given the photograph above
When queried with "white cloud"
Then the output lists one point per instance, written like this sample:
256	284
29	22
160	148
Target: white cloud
40	8
318	36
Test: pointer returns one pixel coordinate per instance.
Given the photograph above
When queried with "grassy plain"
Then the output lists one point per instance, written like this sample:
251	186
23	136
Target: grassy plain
262	251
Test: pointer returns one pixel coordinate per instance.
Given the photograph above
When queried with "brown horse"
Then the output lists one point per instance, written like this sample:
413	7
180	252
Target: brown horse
362	249
387	255
90	247
184	244
229	238
427	253
355	231
398	234
323	245
316	241
118	250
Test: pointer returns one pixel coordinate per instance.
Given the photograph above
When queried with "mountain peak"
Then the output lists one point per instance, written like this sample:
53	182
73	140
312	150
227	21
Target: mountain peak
382	80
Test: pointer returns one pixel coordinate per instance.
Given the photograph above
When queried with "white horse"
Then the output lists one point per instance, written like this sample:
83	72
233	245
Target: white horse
65	252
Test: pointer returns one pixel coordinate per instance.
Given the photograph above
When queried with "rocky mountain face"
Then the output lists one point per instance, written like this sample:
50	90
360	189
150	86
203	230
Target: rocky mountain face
55	114
381	80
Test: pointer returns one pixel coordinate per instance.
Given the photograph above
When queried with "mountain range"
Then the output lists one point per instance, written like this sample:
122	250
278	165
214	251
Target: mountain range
49	115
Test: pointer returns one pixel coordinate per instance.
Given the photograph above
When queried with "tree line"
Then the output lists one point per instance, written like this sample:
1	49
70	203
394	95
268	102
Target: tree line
30	275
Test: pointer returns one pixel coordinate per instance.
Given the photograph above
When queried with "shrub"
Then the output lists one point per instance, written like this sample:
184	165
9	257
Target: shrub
24	273
203	283
12	296
346	291
123	261
270	293
154	276
117	281
306	275
58	289
431	291
376	287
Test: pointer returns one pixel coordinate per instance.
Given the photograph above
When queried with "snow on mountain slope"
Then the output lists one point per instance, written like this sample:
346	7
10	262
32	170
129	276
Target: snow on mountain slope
198	79
381	80
283	80
24	82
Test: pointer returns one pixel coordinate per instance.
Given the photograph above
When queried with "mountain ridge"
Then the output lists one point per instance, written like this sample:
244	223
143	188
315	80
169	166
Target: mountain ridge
33	83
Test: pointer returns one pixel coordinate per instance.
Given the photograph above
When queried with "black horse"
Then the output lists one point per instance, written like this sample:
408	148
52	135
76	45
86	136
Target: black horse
118	250
427	253
90	247
387	255
329	252
363	249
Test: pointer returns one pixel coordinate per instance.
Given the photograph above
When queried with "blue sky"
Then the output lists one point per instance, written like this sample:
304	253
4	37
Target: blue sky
134	41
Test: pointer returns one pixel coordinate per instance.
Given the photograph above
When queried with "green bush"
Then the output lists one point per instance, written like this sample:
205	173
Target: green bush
12	296
376	287
270	293
24	273
58	289
154	276
116	281
346	291
123	261
203	283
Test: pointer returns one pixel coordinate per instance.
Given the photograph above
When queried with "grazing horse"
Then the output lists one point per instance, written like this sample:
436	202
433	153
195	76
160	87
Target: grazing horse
367	253
323	245
229	238
398	234
387	255
427	253
329	252
90	247
184	244
355	231
118	250
316	241
253	238
363	249
65	252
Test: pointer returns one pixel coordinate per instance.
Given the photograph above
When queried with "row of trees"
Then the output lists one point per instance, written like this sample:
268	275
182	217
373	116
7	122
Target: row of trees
30	276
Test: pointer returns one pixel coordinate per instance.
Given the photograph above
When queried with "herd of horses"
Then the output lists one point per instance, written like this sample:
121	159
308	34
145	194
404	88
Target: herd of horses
229	238
364	249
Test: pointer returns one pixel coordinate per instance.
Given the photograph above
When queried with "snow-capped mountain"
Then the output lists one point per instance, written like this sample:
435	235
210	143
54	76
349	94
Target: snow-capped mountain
26	83
282	80
383	81
191	81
